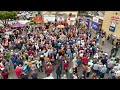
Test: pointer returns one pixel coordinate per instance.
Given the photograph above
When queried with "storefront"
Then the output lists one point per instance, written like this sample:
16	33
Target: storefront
111	23
96	23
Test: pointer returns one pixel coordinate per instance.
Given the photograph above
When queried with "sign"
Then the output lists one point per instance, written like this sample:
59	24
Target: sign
49	18
72	18
80	20
60	17
87	22
95	19
112	27
95	26
115	19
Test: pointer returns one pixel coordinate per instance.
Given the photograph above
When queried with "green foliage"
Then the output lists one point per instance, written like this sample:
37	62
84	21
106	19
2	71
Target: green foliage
32	23
6	15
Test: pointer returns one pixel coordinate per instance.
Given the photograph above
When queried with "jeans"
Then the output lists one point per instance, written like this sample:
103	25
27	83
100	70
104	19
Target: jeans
58	76
102	75
87	74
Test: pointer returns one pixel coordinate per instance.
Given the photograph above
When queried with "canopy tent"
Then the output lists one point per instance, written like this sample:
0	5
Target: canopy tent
23	21
16	25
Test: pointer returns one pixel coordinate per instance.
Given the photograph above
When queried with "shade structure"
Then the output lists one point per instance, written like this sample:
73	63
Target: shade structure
23	21
60	26
17	25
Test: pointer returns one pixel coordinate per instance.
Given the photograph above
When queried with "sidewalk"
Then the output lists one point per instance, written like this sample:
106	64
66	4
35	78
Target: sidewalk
106	47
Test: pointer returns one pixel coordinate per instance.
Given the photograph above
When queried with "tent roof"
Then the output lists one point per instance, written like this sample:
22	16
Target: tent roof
23	21
17	24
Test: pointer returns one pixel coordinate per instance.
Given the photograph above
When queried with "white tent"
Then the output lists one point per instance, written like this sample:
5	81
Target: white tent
23	21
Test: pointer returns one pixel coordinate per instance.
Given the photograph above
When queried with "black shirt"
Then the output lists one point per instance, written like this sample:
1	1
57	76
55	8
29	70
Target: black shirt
24	76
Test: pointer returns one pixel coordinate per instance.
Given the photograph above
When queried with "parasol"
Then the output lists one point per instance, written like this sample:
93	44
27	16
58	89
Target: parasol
60	26
16	25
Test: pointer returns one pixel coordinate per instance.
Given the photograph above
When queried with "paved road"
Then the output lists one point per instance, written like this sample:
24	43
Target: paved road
107	47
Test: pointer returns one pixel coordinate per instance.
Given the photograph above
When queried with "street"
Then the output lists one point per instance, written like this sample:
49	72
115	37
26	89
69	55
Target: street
106	48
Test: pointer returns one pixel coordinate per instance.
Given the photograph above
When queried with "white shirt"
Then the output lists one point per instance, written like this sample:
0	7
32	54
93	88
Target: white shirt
1	49
46	54
118	73
39	63
95	66
81	54
90	63
78	42
71	70
100	67
36	46
88	69
96	56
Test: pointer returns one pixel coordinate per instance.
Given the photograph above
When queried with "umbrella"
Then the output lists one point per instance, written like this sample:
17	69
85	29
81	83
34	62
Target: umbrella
60	26
23	21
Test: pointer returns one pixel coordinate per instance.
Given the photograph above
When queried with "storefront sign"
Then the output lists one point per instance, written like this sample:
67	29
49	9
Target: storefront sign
95	26
87	22
112	27
95	19
49	18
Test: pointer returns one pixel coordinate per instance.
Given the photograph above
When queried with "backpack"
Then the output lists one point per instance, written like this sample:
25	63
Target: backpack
25	68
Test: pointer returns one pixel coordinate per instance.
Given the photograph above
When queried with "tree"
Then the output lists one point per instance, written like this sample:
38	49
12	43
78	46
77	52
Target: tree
6	15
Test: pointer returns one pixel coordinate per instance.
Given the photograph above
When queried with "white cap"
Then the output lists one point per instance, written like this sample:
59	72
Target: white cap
2	69
64	75
104	65
42	56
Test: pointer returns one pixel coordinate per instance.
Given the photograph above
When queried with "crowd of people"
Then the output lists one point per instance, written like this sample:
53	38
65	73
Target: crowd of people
66	51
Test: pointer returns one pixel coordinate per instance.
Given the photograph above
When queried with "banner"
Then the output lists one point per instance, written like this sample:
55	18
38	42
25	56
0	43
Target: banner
112	27
49	18
87	23
95	19
95	26
80	20
38	19
60	17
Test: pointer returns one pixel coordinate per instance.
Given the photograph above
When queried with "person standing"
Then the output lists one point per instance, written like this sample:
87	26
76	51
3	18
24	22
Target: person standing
1	77
58	72
103	71
48	68
18	71
95	68
85	68
7	65
103	40
34	75
39	65
5	74
24	76
88	71
112	51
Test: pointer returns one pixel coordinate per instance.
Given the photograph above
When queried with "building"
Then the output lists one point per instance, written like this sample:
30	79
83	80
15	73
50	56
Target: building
111	23
61	12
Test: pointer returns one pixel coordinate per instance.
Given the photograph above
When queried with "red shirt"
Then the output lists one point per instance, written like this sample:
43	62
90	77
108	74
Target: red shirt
5	75
18	71
30	52
49	70
65	65
84	60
